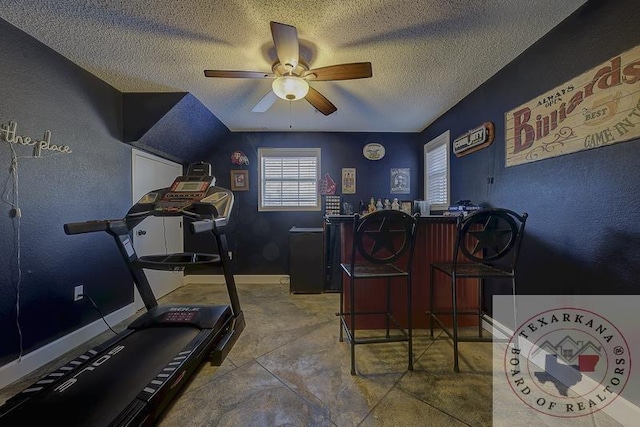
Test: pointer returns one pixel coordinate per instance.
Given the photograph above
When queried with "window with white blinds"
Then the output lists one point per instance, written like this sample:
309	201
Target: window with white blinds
288	179
436	166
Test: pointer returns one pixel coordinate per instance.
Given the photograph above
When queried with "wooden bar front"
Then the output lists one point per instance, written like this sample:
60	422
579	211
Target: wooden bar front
435	240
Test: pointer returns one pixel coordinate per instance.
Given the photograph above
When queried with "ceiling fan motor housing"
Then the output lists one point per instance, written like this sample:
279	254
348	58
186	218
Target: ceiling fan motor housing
298	70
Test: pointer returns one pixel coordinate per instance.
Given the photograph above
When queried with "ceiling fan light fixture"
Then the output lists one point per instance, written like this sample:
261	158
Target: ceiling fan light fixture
290	88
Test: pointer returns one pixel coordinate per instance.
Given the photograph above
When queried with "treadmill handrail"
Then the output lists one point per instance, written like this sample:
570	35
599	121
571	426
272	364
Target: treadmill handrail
86	227
207	225
109	225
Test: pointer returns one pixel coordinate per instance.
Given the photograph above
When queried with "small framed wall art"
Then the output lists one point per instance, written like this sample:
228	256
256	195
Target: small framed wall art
348	180
400	183
239	180
407	206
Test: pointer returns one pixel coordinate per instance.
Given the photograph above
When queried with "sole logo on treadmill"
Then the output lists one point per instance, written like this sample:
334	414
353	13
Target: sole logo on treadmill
101	360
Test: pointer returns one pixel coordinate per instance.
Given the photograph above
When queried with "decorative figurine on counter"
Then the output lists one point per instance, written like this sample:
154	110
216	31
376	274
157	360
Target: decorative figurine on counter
395	205
379	205
387	204
372	205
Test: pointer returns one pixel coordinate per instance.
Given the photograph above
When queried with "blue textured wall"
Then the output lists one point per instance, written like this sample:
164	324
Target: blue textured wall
41	91
583	231
186	133
260	241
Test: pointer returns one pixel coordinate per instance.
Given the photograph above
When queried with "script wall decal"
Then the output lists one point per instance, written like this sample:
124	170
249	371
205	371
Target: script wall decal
8	133
598	108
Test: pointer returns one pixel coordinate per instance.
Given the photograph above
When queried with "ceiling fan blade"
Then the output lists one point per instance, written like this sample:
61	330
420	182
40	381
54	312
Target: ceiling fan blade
238	74
266	102
356	70
285	39
320	103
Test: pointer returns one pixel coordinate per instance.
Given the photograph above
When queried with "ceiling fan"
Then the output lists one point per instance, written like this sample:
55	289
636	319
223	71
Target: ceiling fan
291	73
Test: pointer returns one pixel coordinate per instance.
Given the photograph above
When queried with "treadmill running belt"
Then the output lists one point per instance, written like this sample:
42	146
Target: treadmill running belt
107	385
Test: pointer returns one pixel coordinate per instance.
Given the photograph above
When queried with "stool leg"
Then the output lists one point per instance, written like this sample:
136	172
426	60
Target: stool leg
455	323
431	286
410	322
341	311
480	292
352	326
515	312
388	308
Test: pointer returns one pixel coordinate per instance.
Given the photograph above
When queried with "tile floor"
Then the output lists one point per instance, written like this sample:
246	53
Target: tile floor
289	369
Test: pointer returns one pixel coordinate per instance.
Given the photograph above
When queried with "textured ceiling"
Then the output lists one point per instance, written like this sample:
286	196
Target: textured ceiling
426	55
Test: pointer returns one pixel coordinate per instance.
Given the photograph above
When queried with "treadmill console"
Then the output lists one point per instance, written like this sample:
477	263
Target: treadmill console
193	195
184	192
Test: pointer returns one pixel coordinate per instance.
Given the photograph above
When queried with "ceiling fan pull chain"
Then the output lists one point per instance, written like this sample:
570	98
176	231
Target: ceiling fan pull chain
289	114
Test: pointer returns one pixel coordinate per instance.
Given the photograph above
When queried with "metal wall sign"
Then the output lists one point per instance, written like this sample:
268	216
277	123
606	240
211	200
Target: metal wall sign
373	151
598	108
474	140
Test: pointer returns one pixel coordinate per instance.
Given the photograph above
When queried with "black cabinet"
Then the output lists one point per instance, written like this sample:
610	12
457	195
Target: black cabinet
306	260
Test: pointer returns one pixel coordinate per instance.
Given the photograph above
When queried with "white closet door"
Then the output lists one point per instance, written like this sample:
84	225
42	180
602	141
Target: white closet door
156	235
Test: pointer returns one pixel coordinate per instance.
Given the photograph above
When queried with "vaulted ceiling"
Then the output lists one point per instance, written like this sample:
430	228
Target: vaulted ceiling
425	55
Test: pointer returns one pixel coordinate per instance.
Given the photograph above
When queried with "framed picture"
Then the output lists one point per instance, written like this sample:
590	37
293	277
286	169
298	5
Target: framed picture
348	180
239	180
407	206
400	183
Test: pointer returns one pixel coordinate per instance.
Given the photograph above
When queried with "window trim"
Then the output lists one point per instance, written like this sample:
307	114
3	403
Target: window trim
442	139
289	152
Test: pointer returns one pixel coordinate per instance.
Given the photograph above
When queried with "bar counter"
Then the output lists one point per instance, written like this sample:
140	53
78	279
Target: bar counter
435	239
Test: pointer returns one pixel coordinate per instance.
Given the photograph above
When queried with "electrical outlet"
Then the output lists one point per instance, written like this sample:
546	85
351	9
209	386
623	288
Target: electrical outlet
230	255
78	292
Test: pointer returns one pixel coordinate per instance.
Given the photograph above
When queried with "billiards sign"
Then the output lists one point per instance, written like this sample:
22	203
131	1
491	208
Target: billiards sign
598	108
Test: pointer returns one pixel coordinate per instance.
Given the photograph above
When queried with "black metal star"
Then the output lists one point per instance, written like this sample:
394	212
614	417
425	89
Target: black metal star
490	238
383	237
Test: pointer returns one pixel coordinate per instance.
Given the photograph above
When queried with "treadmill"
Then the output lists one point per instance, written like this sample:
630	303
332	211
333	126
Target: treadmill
130	379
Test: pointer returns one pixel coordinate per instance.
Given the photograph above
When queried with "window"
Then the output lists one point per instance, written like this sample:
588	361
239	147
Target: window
288	179
436	172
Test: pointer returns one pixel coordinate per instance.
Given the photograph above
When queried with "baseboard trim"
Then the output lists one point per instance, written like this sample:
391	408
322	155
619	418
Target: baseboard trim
15	370
239	279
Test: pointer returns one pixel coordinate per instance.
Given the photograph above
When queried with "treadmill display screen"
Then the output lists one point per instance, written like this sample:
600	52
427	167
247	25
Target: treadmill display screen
193	186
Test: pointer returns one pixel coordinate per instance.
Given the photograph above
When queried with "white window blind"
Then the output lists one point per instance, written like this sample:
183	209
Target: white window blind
288	179
436	155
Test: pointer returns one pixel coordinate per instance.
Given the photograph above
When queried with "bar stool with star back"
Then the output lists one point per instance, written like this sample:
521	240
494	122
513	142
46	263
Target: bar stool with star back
381	255
487	247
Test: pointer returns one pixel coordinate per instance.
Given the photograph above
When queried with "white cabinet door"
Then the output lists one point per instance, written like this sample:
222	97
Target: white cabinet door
156	235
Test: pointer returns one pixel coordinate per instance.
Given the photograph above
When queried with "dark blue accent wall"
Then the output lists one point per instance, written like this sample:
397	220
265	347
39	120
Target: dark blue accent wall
260	241
41	90
186	133
143	110
583	231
